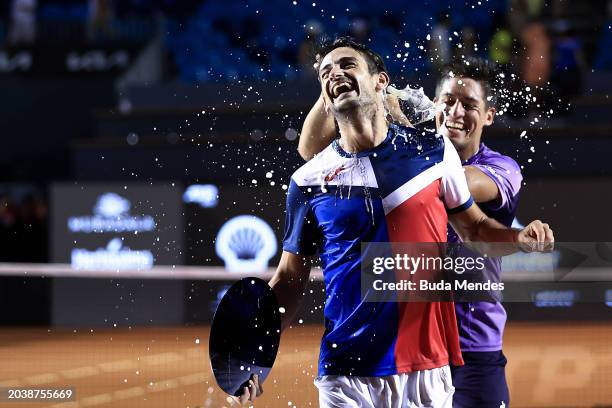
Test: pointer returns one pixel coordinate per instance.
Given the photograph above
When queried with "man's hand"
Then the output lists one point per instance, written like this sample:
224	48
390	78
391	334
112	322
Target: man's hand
393	106
250	392
473	226
537	236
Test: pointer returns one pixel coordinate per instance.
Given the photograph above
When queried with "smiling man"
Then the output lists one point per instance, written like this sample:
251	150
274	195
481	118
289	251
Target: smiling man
467	88
376	183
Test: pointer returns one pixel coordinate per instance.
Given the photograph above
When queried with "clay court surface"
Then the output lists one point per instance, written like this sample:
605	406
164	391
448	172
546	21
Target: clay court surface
550	365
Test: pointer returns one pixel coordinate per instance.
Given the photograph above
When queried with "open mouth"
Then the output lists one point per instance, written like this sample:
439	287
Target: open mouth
340	88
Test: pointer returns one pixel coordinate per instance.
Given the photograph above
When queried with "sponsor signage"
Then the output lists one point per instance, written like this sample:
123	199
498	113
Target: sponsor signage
246	243
115	227
60	61
206	195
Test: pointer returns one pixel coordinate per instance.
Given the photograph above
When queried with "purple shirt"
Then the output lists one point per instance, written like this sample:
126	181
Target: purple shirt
481	324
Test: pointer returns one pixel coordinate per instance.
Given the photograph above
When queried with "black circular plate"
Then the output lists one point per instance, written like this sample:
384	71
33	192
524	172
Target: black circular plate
245	334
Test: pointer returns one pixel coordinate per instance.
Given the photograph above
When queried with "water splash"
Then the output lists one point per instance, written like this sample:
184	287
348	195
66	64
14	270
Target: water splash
366	190
398	132
344	172
416	105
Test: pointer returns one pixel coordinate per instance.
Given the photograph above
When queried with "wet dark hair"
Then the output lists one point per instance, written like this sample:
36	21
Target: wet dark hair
478	69
375	62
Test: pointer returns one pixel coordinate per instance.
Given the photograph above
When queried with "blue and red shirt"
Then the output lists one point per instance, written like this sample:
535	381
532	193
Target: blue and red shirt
399	191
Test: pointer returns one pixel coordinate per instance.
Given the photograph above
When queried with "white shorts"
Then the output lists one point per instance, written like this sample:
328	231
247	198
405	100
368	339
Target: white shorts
427	388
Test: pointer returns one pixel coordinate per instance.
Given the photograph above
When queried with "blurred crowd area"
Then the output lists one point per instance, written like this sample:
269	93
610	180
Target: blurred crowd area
26	23
553	46
23	223
208	40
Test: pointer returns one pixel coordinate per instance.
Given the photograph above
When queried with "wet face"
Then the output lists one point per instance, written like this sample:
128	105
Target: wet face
465	113
346	82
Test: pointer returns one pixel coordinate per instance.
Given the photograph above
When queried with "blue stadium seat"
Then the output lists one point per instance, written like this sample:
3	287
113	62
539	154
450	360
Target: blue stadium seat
235	32
603	60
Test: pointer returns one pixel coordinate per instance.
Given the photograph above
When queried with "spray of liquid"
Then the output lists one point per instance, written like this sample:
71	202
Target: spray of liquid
417	106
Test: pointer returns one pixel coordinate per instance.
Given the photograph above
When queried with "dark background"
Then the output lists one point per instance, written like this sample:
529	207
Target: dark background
157	92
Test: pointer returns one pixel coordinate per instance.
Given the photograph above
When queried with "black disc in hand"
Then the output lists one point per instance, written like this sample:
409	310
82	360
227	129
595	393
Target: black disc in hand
245	334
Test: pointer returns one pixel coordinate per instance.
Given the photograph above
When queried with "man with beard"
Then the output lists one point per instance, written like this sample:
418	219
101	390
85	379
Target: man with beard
376	183
467	89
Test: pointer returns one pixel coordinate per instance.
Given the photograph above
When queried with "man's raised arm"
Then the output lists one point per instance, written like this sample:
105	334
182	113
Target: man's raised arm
318	131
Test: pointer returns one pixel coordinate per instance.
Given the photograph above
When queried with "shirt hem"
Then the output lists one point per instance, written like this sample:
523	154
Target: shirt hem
426	365
483	349
409	368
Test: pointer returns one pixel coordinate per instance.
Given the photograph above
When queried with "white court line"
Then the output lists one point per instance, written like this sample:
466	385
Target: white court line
10	383
129	393
42	379
110	367
95	400
191	379
159	386
67	404
156	272
126	364
216	273
163	358
166	384
196	352
79	372
115	366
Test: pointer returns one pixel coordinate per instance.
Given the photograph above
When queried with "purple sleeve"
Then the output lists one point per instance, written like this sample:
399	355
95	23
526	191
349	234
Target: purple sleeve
506	174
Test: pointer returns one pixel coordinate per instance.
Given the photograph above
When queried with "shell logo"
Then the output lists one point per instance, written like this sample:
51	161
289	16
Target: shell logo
246	244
